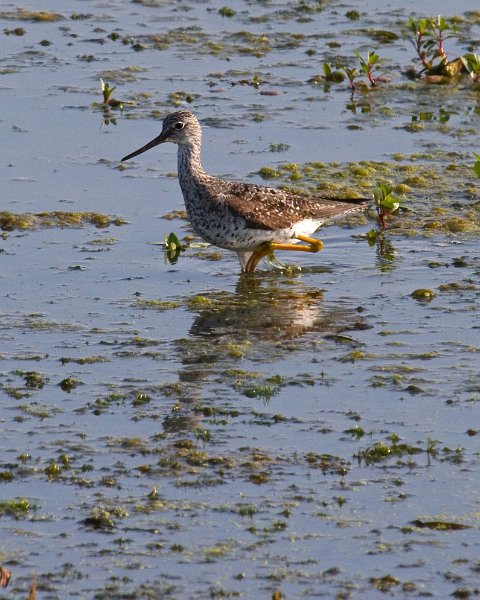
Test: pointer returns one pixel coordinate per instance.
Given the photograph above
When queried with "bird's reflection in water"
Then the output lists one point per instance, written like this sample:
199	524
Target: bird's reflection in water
263	308
262	320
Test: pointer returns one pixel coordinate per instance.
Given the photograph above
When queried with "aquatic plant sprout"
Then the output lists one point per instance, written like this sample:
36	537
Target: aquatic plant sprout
172	248
367	65
428	36
385	203
107	91
352	74
472	63
108	100
330	74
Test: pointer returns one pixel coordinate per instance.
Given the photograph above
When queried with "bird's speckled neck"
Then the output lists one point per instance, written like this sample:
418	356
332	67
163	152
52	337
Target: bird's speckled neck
191	175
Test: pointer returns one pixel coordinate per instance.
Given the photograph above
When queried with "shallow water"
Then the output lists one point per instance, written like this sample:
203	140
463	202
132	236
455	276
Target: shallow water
182	431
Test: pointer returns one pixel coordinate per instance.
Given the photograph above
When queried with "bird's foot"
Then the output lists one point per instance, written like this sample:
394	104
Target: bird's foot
315	245
267	248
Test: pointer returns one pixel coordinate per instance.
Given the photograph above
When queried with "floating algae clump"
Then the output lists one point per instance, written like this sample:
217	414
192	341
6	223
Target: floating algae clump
423	295
10	221
22	14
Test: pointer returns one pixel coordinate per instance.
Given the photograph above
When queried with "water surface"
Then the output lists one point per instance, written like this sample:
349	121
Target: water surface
183	431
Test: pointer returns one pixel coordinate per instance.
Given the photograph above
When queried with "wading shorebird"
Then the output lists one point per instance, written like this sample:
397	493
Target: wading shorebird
254	220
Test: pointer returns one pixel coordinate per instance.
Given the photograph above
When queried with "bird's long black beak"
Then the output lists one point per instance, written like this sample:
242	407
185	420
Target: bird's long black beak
158	140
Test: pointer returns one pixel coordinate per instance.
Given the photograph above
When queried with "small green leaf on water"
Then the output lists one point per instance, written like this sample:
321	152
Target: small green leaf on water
471	62
172	247
107	91
332	75
172	242
382	194
372	236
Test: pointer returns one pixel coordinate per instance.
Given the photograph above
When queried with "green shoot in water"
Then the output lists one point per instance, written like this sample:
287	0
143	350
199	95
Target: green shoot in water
352	74
385	203
367	64
472	63
107	92
332	75
428	36
172	248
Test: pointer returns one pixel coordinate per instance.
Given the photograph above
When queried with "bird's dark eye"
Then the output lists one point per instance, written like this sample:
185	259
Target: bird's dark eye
179	125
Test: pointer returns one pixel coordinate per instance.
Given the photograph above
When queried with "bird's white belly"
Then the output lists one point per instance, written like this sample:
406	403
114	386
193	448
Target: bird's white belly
306	227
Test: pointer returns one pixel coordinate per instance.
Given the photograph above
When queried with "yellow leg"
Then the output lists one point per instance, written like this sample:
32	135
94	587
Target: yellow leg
268	247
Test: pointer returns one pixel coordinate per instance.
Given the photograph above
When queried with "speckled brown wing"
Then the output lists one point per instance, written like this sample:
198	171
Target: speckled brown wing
270	209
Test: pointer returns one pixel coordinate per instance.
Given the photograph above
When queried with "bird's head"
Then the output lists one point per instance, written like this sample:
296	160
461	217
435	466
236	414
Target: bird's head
181	127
